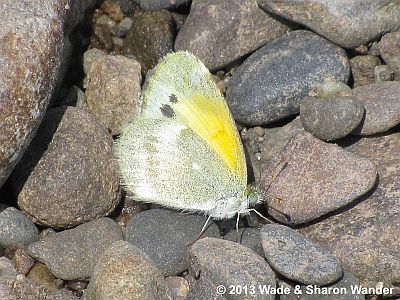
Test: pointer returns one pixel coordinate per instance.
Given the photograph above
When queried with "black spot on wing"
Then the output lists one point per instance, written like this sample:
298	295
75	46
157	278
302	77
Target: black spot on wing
167	111
173	98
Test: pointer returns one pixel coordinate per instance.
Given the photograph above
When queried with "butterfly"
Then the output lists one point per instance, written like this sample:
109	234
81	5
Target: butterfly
184	151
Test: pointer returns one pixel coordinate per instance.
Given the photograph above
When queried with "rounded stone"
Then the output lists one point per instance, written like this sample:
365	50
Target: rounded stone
164	236
331	119
270	84
296	258
125	272
71	254
16	228
68	175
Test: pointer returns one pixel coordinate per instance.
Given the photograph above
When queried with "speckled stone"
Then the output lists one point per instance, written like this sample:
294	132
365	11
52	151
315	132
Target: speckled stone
362	68
311	178
389	48
68	175
16	228
219	32
382	106
270	84
125	272
346	23
150	37
219	262
164	236
296	258
113	91
31	54
331	119
71	254
364	238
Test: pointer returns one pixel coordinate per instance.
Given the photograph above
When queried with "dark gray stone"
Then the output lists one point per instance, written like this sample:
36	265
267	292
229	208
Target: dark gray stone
31	54
16	228
331	119
219	32
270	84
164	236
71	254
68	175
125	272
159	4
311	178
346	23
249	237
296	258
364	237
382	106
219	262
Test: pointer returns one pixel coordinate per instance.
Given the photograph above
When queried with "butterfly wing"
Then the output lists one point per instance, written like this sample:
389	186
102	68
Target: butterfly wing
182	89
164	162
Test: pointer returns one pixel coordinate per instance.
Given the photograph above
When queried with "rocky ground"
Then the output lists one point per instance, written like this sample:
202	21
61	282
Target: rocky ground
314	87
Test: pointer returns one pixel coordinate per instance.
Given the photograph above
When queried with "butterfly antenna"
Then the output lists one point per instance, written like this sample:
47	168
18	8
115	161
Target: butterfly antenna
201	232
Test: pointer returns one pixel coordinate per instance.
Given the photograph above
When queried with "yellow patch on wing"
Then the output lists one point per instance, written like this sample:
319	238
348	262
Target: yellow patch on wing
211	120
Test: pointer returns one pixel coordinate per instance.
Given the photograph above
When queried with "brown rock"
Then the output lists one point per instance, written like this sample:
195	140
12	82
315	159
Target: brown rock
389	48
362	68
220	32
67	176
113	91
311	178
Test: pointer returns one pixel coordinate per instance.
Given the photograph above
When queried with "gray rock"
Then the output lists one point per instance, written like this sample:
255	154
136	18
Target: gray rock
165	235
362	68
113	91
31	53
125	272
349	24
331	119
218	31
296	258
122	28
311	178
178	286
389	48
364	238
16	228
383	73
71	254
150	37
75	97
220	262
159	4
270	84
249	237
67	176
382	106
90	56
341	290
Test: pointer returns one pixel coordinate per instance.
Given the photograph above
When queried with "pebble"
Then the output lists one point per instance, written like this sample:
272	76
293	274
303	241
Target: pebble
90	56
164	236
261	92
178	286
150	37
67	176
21	259
75	97
332	89
220	35
113	91
389	48
347	24
331	119
249	237
159	4
16	228
32	39
122	28
219	262
382	106
71	254
362	68
383	73
364	237
296	258
112	9
311	178
40	274
123	271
